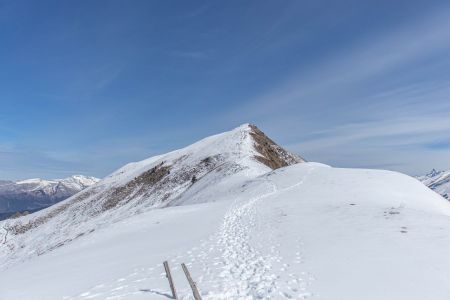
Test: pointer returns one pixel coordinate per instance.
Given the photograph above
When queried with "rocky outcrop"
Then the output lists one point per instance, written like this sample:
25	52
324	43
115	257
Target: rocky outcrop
271	154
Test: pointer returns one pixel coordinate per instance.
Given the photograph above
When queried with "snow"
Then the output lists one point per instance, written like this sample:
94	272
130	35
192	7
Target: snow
236	145
76	182
220	164
439	181
303	231
75	179
35	194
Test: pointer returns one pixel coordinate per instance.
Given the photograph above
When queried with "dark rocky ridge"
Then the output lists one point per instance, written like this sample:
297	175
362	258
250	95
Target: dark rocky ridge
271	154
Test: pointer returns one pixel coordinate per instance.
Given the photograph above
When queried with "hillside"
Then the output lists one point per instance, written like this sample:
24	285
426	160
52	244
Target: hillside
256	222
195	174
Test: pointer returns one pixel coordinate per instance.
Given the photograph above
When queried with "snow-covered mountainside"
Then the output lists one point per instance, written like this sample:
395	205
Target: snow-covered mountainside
35	194
439	181
249	221
194	174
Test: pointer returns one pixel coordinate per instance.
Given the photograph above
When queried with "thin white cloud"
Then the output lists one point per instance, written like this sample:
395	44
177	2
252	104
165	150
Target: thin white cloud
373	104
369	58
398	132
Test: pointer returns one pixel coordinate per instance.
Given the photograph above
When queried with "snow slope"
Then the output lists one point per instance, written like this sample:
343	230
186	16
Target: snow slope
195	174
303	231
34	194
248	220
439	181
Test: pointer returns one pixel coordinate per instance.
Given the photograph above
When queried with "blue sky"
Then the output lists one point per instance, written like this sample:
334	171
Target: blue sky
87	86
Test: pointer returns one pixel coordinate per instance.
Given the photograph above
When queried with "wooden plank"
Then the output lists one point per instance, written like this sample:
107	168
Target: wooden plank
191	283
171	283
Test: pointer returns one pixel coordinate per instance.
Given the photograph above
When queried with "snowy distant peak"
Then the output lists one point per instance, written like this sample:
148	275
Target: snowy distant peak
34	194
33	181
433	173
80	181
439	181
70	185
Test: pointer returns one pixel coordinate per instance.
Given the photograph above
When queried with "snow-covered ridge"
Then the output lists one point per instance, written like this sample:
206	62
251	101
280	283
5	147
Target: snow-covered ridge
439	181
76	182
305	231
249	220
194	174
36	193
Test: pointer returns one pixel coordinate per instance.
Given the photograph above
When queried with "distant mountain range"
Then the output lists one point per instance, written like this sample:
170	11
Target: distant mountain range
34	194
439	181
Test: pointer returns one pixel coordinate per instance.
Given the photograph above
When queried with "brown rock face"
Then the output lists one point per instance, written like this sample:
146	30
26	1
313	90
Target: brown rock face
137	186
271	154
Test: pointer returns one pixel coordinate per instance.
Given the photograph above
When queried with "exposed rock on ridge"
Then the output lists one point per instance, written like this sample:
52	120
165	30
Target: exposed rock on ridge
270	153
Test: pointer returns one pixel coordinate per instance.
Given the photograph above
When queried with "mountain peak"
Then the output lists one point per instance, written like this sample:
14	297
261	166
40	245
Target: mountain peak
80	180
194	174
433	173
439	181
253	142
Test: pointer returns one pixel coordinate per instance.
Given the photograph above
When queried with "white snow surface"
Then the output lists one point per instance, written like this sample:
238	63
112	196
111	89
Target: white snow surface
219	163
35	194
49	187
306	231
76	182
439	181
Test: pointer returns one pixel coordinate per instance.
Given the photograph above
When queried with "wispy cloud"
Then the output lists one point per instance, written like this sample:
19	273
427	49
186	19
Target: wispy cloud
403	132
367	105
19	160
189	54
361	62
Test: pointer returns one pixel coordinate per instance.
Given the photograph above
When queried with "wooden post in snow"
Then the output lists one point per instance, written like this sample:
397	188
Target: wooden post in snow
169	277
191	283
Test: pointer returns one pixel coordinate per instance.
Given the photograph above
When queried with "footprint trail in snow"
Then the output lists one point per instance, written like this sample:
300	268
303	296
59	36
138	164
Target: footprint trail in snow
241	261
248	272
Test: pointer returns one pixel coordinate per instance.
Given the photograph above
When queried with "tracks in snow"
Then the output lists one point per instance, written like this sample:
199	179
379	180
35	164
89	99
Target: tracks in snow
241	261
246	272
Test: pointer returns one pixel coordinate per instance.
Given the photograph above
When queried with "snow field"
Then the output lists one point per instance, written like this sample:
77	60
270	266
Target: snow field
306	231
